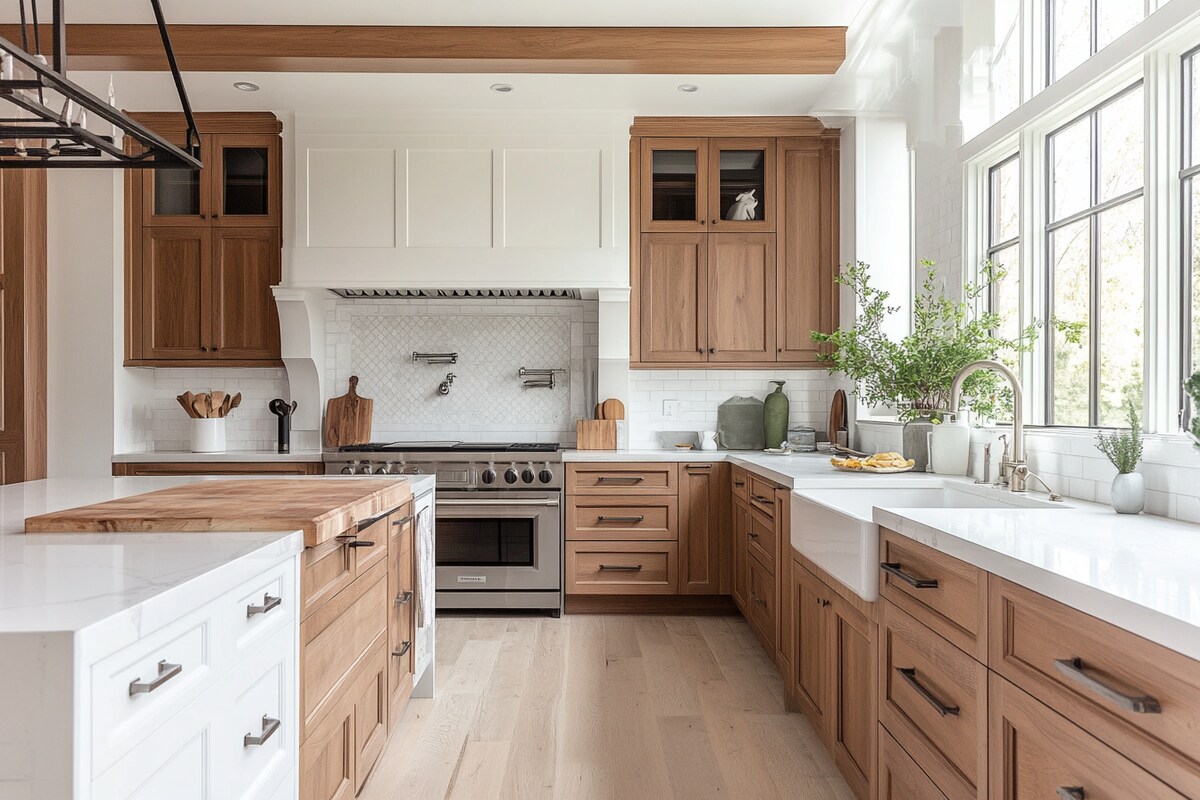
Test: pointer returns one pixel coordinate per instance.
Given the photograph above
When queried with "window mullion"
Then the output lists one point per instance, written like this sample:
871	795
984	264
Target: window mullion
1094	321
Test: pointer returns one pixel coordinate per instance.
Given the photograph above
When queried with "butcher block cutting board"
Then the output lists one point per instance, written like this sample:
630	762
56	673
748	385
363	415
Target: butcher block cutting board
348	418
322	509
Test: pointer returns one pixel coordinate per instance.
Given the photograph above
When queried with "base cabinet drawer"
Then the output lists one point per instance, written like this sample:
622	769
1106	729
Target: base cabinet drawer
257	737
370	693
1139	697
622	568
1035	754
639	478
899	776
933	698
163	769
760	603
622	518
327	755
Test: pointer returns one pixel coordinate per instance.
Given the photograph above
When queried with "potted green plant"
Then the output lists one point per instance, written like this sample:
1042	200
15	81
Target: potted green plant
915	374
1124	449
1192	387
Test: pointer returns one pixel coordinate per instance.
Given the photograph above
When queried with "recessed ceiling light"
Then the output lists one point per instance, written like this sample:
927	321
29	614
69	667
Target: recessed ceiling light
246	86
502	88
688	87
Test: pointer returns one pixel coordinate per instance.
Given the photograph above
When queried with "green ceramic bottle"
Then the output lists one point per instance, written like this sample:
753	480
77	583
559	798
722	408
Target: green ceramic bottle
775	416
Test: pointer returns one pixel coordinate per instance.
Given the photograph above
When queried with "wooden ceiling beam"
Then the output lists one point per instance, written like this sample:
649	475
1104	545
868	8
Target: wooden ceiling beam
332	48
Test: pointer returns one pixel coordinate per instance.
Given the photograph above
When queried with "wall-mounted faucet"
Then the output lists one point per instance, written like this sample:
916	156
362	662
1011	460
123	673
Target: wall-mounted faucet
444	386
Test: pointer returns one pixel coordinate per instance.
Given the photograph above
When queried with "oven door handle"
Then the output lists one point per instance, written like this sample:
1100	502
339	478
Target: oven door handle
547	503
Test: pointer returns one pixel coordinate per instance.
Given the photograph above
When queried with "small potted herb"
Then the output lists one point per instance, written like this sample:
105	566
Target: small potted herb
1124	449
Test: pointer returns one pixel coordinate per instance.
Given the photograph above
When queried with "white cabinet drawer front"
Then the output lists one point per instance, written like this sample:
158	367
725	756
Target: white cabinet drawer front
262	607
137	689
255	740
170	767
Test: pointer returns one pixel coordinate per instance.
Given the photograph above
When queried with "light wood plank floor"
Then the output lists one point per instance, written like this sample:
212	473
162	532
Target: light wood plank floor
612	707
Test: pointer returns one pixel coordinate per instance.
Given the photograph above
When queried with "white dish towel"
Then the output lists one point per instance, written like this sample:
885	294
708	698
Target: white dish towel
425	568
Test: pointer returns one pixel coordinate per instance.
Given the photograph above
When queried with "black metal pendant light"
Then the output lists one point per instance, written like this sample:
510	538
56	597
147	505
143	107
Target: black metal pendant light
45	123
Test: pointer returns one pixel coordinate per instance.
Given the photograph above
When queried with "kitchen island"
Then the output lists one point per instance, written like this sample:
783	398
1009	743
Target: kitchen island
155	663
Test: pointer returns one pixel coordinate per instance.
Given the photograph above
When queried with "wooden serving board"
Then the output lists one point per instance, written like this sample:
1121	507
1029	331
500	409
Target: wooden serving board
348	418
322	509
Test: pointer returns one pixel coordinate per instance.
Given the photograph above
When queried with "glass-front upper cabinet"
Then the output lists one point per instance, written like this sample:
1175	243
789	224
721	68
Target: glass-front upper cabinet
237	186
177	197
674	180
742	184
245	168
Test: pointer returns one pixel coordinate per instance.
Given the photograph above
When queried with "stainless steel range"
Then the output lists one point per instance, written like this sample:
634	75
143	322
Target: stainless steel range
499	513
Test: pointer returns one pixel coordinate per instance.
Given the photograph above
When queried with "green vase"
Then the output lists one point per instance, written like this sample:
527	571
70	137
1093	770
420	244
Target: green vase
775	416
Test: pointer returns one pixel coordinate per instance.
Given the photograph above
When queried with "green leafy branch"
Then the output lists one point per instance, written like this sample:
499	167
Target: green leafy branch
1124	447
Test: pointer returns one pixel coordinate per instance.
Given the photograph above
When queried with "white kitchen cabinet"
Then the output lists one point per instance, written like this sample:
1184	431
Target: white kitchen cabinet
464	201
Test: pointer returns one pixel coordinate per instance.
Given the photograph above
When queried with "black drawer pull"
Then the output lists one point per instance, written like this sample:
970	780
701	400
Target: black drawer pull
349	540
268	604
269	726
621	567
1070	793
739	484
766	501
1073	669
893	568
620	479
366	523
638	518
403	598
910	676
403	520
403	651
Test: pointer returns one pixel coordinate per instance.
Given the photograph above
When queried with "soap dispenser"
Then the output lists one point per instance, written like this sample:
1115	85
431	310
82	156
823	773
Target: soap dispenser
775	416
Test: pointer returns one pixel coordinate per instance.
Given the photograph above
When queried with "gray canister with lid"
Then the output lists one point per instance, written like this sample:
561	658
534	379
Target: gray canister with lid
740	424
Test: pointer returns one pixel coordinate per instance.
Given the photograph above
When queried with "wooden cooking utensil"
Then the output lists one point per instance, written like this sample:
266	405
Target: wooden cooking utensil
599	410
217	401
613	409
237	401
226	405
348	418
200	406
837	415
187	406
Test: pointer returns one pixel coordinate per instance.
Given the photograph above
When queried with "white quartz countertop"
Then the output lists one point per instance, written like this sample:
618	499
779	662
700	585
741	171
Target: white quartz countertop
228	457
1137	572
77	581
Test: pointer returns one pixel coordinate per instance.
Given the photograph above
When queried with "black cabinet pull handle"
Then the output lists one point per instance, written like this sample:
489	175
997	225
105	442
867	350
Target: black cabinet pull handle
739	484
1070	793
893	568
403	598
766	501
350	541
404	648
620	568
910	676
1138	704
638	518
620	479
366	523
403	520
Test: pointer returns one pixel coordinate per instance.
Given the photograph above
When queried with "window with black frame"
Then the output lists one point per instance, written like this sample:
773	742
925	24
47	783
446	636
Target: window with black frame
1095	253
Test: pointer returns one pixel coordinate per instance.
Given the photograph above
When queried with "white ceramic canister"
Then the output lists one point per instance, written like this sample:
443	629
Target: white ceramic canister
208	435
950	446
708	440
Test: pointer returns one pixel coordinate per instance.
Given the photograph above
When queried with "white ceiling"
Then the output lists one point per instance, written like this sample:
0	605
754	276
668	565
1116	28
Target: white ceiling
393	94
465	12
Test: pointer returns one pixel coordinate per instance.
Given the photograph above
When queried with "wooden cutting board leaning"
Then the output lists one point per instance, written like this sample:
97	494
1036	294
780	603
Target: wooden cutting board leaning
348	418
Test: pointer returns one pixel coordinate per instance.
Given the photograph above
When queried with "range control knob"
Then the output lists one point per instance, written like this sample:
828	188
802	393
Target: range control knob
488	476
510	475
350	468
545	476
527	475
386	469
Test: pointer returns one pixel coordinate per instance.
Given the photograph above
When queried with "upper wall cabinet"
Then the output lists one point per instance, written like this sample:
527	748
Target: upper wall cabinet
203	248
765	209
478	202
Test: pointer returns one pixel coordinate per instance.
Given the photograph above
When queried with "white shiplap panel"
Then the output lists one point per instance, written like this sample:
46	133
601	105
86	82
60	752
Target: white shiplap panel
553	198
351	197
448	198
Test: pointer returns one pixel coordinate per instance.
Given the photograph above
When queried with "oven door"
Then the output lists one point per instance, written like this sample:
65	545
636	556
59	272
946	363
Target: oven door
497	541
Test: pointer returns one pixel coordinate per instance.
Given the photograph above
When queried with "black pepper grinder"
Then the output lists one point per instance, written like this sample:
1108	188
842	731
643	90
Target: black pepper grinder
281	409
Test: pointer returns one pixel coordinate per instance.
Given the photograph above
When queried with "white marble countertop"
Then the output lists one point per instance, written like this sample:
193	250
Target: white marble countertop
228	457
1137	572
102	582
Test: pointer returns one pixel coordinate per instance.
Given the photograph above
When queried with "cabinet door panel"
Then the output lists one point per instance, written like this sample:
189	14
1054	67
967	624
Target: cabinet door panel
807	299
327	756
176	293
741	297
700	528
810	646
741	552
853	675
736	168
178	197
674	297
245	178
674	184
370	714
401	613
245	318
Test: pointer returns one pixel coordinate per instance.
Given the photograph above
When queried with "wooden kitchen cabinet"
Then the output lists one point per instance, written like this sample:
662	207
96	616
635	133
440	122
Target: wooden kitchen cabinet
741	297
402	611
810	603
720	293
852	691
741	553
203	248
702	522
